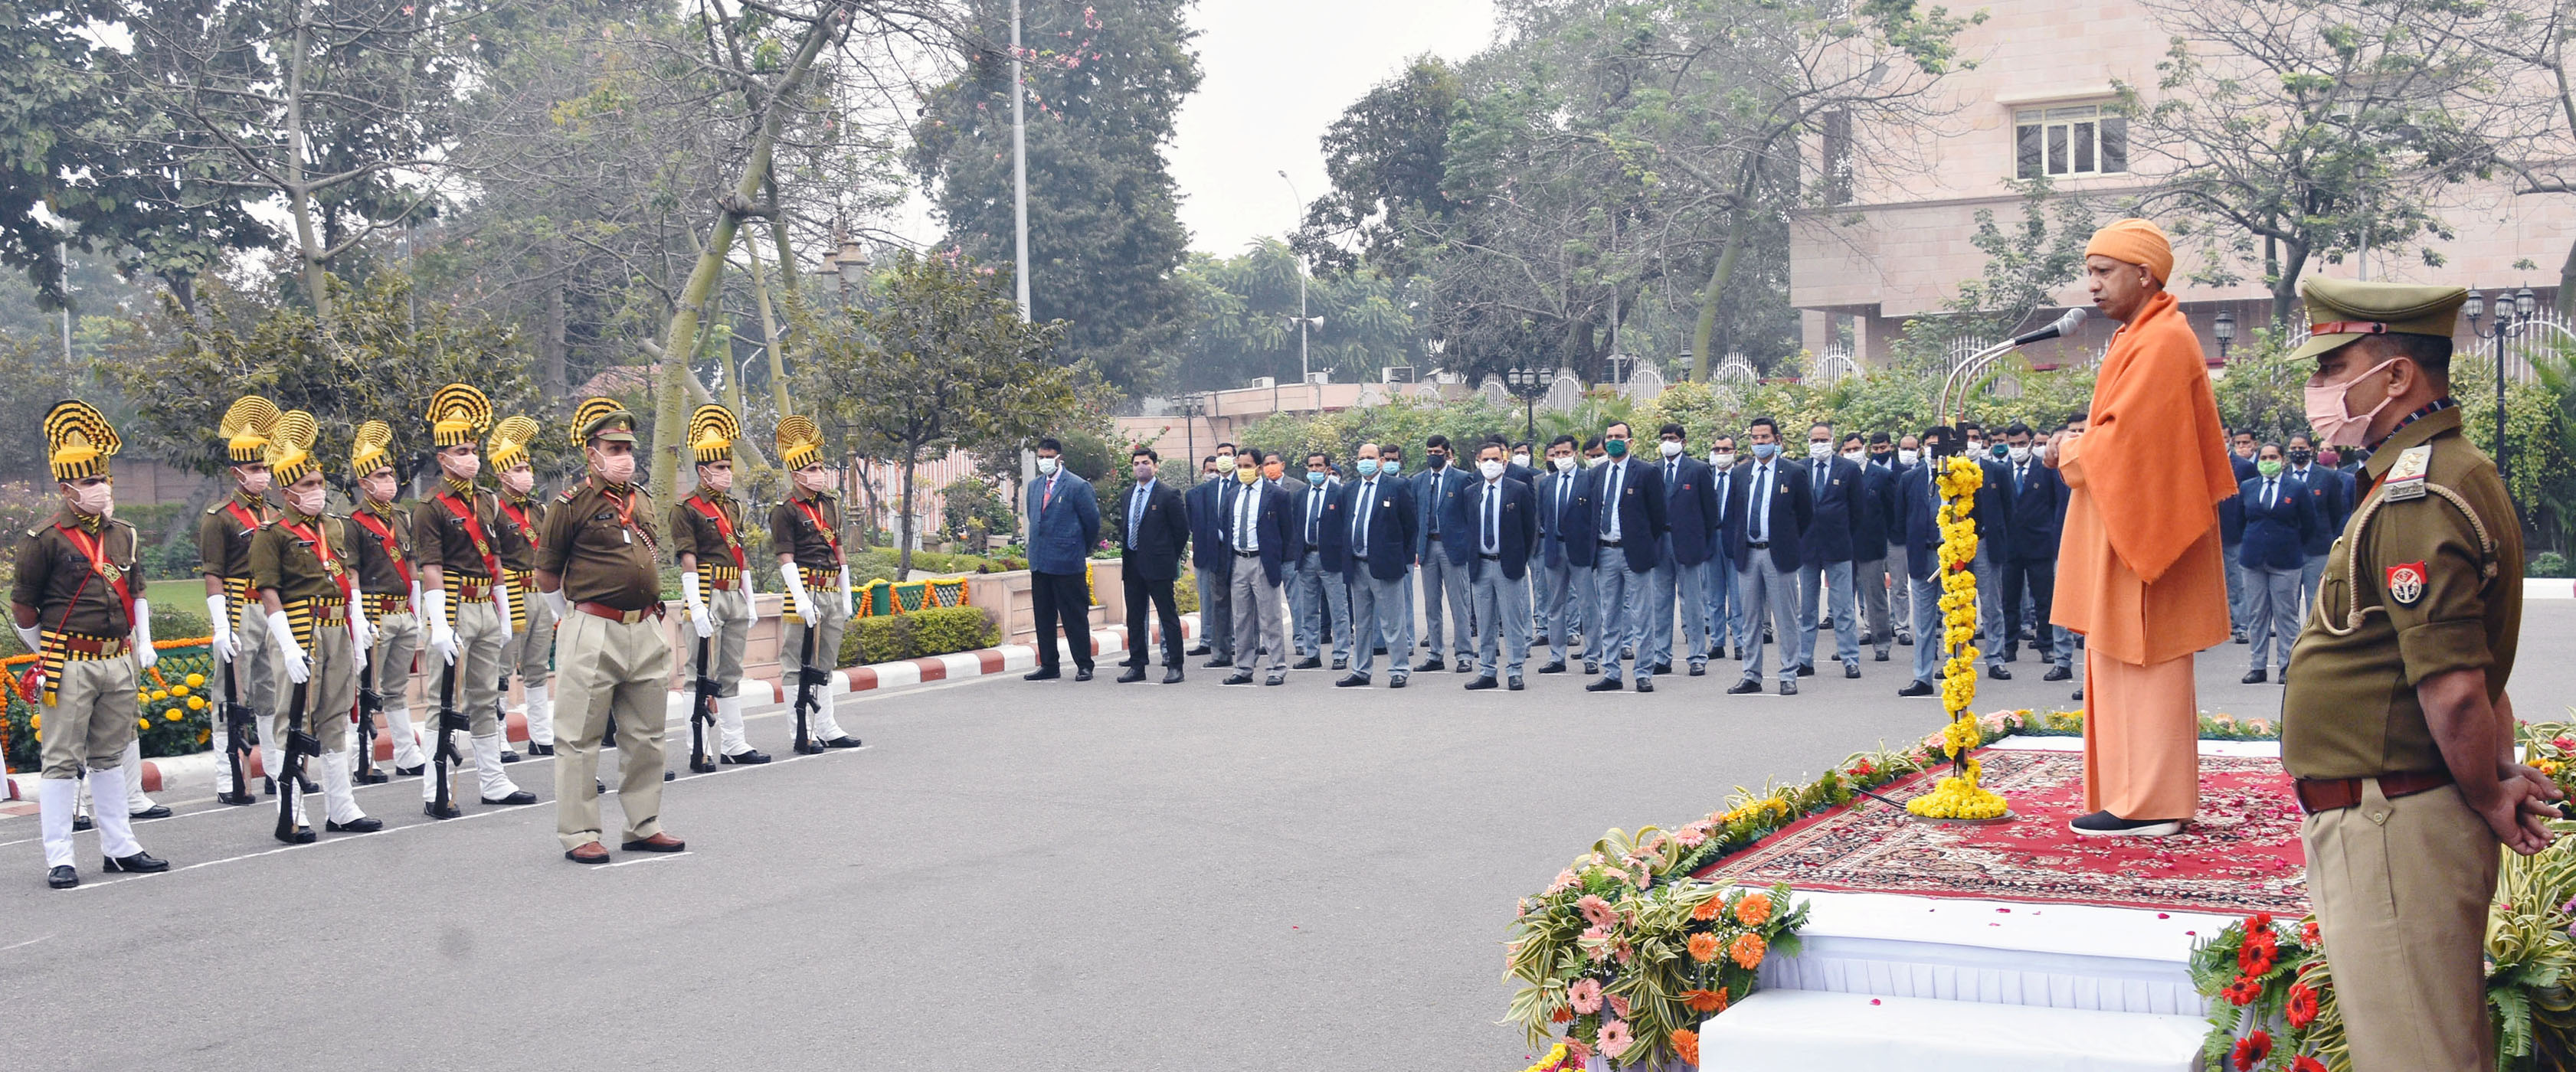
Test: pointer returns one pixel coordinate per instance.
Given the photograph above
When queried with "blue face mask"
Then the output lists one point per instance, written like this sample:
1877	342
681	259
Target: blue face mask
1764	451
1390	466
1368	467
1316	479
2000	450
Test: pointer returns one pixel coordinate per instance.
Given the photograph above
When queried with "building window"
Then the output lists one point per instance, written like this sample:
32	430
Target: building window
2084	139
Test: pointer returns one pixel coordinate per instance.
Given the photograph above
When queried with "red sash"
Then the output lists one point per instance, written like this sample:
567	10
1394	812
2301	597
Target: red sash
250	521
322	550
96	551
366	519
723	527
816	516
520	518
474	528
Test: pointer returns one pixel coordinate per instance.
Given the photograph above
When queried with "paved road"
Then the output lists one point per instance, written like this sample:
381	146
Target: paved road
1013	875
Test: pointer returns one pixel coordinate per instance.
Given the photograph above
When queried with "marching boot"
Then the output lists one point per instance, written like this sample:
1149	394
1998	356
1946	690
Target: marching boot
303	834
271	760
826	730
408	754
731	745
115	831
497	788
340	802
54	797
138	806
541	720
80	804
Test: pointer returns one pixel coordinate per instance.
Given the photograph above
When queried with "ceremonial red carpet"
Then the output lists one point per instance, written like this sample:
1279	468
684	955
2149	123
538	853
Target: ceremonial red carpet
2241	854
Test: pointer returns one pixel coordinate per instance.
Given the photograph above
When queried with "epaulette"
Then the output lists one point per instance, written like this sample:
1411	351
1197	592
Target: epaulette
217	508
121	523
2407	478
37	531
568	493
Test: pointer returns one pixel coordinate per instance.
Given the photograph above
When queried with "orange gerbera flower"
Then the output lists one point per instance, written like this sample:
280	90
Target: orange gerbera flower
1685	1044
1753	910
1709	909
1748	950
1704	947
1705	1000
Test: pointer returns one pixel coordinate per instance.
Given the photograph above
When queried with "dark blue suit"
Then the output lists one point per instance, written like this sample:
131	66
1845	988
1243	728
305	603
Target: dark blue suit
1518	533
2037	497
1880	526
1321	599
1503	511
1564	584
1837	510
1256	514
1064	525
2278	526
1919	506
1379	567
1767	575
1151	556
1632	491
1680	585
1214	566
1440	494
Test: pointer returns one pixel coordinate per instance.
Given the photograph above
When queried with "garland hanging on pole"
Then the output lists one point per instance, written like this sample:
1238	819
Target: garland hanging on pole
1958	796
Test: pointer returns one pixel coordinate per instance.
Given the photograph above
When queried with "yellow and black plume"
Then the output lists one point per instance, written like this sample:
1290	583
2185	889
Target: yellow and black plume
372	449
509	443
712	430
78	441
245	429
800	444
458	413
289	453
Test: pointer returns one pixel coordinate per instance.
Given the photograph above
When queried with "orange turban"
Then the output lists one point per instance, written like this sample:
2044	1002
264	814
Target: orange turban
2135	241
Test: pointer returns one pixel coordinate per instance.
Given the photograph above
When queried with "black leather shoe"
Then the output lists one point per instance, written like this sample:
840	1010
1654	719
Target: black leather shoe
1882	656
1541	642
2079	695
1275	679
1217	663
1239	677
157	811
371	777
1904	640
141	863
364	824
751	758
1918	688
1607	684
1131	675
62	878
1341	662
1198	651
1172	676
1591	668
1664	668
1380	650
1083	674
1311	662
1998	673
1352	681
1739	653
430	808
303	835
1397	681
1465	665
1744	687
268	787
1699	669
1644	685
1806	670
1429	664
508	756
1514	684
2254	677
844	741
238	800
2240	637
1788	688
520	797
2058	673
1557	667
1481	683
81	823
541	749
2011	655
1042	675
407	772
1851	670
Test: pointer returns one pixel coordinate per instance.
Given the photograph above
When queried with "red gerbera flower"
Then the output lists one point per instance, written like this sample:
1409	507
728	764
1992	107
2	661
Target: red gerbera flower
2305	1063
2258	922
2241	992
2308	933
2302	1009
2259	953
2251	1050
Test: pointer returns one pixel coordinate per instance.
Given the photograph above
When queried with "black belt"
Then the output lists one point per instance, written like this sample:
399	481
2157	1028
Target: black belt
1489	558
1610	543
1247	554
1757	546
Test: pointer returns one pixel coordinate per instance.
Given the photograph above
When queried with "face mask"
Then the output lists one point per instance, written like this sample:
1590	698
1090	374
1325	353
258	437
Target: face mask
1616	448
616	469
1317	479
1046	467
1368	467
1390	466
1144	471
1492	470
462	467
1563	464
716	481
2302	457
1908	457
2333	418
1820	450
100	498
378	488
1521	460
254	483
1247	475
1590	460
1210	475
1273	470
520	481
2268	467
307	503
1721	459
814	481
2330	459
1852	454
1976	446
2020	454
1438	462
1764	451
1225	463
1672	448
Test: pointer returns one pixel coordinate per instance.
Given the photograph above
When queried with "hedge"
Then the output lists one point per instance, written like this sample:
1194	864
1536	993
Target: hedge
940	631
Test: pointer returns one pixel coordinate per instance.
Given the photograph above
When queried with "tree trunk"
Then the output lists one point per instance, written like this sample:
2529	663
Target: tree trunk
1704	332
903	517
2285	284
794	296
768	334
550	342
299	200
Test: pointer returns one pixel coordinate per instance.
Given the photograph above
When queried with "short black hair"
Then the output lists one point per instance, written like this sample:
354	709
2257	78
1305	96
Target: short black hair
1591	443
1207	461
1492	443
1522	445
1671	429
1049	443
1878	439
1565	439
1850	438
2079	417
1763	422
1225	446
1605	429
2432	353
1496	438
1966	427
1385	449
1952	442
2016	428
1324	454
1436	440
1145	452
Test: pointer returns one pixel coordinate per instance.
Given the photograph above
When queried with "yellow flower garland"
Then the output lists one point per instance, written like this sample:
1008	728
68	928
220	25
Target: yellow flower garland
1958	796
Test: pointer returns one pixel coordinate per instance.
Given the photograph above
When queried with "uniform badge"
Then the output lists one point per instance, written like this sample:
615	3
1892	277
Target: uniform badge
106	569
2405	479
2406	583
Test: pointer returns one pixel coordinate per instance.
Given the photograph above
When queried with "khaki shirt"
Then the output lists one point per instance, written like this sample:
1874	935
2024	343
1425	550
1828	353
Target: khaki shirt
285	561
223	541
2426	579
441	536
603	545
694	533
793	532
64	585
518	542
382	571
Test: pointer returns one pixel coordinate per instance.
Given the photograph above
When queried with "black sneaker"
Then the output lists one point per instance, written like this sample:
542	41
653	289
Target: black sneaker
2105	824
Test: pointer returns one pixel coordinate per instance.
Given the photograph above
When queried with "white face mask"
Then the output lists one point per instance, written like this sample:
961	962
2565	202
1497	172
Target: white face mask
1046	467
2020	454
1590	460
616	469
1493	470
307	502
1908	457
1210	475
716	481
1671	448
1852	454
1820	450
1521	460
1722	459
100	498
519	480
1564	464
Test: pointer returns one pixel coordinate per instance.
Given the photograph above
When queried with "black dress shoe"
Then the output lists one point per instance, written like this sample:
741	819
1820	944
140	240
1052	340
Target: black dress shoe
430	808
1083	674
303	835
371	777
80	823
1998	673
1904	640
748	758
1882	656
241	799
1430	664
1239	677
1664	668
410	772
1043	674
508	756
1739	653
2058	673
1592	667
541	749
268	787
141	863
1465	665
1341	662
1607	684
1352	681
1380	650
1218	663
364	824
1132	675
1541	642
1481	683
1699	669
1851	670
1556	667
1806	670
1311	662
2254	677
1198	651
1788	688
520	797
2240	637
1644	685
1514	684
1397	681
1275	679
157	811
1918	688
62	877
2079	695
844	741
1745	687
2011	655
1172	676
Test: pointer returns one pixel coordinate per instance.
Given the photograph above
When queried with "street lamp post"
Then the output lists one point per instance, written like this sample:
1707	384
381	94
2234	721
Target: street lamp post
2225	329
2511	311
1528	383
1305	371
1190	405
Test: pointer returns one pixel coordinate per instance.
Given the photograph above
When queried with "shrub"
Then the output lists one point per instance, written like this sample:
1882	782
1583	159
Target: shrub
938	631
1185	593
2548	564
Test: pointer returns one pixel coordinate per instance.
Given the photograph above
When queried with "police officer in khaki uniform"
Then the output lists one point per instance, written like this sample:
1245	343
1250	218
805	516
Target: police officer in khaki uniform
2395	720
74	604
599	565
466	616
530	653
706	537
805	534
300	564
387	592
223	551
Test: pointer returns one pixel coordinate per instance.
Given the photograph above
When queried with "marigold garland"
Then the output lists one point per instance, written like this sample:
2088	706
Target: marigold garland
1959	796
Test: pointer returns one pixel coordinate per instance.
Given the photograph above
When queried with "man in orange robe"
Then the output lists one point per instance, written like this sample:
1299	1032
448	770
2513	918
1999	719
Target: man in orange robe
2139	570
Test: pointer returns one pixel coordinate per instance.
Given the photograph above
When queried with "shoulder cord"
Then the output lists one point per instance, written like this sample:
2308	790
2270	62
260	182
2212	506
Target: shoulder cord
2355	613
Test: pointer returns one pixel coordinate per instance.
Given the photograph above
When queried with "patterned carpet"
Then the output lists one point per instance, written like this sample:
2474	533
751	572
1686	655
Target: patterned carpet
2240	854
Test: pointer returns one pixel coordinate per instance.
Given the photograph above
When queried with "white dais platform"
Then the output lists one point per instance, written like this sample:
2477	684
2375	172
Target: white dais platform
1813	1031
2001	953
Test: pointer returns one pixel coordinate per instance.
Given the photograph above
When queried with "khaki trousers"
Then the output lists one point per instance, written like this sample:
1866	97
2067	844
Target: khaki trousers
397	640
92	716
332	682
609	668
478	663
732	615
2401	890
530	654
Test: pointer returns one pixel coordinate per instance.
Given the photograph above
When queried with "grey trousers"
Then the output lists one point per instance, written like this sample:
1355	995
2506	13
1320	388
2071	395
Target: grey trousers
1503	615
1726	617
1990	606
1678	590
1381	616
1900	592
1216	610
1323	603
2310	572
1569	591
1441	576
1624	599
1766	588
2235	587
1259	624
2272	608
1870	579
1819	582
1925	595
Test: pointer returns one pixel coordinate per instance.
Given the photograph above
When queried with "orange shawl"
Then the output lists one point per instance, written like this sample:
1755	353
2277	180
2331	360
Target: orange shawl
2140	572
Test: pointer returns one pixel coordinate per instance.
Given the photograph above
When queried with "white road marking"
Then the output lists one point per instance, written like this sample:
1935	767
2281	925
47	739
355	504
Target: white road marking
25	944
645	859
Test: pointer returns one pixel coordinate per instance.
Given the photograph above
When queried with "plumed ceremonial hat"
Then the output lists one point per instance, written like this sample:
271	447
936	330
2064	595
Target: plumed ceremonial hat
712	430
289	453
509	442
602	419
458	413
2341	311
78	441
372	449
800	444
245	428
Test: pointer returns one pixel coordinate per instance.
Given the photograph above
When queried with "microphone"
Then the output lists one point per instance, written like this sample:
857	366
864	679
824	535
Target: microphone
2065	325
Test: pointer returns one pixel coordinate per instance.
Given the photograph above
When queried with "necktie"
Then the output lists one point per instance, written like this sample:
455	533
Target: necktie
1244	506
1493	518
1556	520
1364	506
1822	466
2270	487
1757	506
1725	484
1047	497
1610	500
1136	513
1672	479
1315	513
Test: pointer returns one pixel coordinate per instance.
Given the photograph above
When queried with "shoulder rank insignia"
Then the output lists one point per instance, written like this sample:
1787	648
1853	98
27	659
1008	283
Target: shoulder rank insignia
2406	579
2406	477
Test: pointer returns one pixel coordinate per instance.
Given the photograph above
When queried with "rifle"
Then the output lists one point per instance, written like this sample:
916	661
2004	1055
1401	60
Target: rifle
501	712
702	713
444	757
370	702
807	680
237	730
299	745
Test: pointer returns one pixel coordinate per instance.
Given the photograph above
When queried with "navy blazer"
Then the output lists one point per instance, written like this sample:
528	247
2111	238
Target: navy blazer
1879	523
1558	495
1207	543
1062	534
1394	527
1518	535
1992	510
2244	467
1834	517
1920	506
1153	550
2331	491
1690	508
1270	523
1526	475
1641	514
1329	538
1721	486
2038	505
1436	492
2276	535
1790	512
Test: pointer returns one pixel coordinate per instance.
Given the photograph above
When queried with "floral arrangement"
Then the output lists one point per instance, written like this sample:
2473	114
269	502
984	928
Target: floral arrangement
176	711
1958	796
1627	964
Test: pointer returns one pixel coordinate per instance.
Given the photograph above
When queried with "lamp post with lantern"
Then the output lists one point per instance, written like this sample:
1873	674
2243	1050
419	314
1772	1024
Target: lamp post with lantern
2512	310
1528	384
2225	329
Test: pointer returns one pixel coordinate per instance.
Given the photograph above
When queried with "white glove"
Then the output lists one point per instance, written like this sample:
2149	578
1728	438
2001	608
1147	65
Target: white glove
501	606
796	598
556	602
28	636
289	655
225	650
848	605
144	654
415	598
362	633
750	601
699	618
433	610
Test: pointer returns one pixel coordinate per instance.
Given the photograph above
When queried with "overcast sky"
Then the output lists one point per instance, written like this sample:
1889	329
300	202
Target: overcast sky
1277	74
